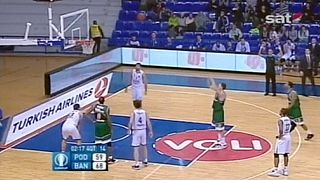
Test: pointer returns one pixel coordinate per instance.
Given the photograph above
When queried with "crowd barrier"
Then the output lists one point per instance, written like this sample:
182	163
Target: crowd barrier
194	60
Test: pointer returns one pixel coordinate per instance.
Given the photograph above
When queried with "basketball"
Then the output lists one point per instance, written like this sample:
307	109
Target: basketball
141	17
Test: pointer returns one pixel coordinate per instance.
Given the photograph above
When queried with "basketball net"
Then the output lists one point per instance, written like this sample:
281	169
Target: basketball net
87	46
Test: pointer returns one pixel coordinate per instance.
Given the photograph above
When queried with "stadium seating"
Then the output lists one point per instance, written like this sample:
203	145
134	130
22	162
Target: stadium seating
128	25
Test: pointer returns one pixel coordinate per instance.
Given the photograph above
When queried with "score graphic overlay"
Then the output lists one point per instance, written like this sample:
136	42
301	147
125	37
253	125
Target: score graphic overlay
81	158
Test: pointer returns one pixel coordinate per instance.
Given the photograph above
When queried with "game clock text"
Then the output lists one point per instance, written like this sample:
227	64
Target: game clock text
81	158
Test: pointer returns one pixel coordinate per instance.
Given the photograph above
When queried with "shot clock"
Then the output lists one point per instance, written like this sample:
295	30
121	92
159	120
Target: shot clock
81	158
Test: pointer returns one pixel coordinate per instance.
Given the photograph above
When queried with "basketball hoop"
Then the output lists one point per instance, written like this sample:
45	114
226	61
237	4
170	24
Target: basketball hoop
87	46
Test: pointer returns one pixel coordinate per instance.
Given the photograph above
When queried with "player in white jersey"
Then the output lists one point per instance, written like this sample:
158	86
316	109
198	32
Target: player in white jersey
70	126
283	144
138	83
139	125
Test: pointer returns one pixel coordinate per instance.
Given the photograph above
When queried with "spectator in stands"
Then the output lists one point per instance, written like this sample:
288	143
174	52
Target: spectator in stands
151	4
214	5
273	34
293	34
174	23
264	3
190	24
252	3
239	15
198	44
262	13
264	32
282	34
182	22
222	23
133	42
283	8
96	34
303	34
164	14
172	33
277	51
201	21
229	47
235	33
250	14
243	46
223	6
308	14
169	43
263	50
315	53
277	47
218	47
154	40
289	54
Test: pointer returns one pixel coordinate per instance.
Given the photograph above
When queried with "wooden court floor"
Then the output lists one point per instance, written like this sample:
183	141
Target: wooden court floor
251	112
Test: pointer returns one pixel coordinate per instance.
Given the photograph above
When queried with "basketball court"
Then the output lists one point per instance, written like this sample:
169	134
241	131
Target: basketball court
179	103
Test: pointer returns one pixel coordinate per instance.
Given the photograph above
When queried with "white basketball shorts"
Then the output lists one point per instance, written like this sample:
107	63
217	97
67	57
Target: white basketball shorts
70	130
283	145
137	93
139	137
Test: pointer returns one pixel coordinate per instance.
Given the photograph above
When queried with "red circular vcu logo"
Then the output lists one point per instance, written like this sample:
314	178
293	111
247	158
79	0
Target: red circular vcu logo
101	87
255	62
201	145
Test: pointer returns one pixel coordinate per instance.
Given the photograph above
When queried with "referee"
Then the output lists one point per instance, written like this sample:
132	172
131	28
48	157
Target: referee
270	72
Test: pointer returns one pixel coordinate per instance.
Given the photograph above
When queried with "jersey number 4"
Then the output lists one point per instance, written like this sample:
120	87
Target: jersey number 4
140	120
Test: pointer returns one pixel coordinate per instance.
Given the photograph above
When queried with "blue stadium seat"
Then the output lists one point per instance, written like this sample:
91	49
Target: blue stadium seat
317	10
132	15
134	33
296	7
302	45
123	15
120	25
116	34
216	36
313	36
152	16
209	27
125	34
128	25
198	33
247	27
246	35
144	34
254	49
155	26
138	25
314	29
225	36
164	26
162	34
131	5
207	36
254	37
189	35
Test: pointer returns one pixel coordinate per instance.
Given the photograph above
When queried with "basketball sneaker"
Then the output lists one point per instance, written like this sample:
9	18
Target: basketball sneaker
285	172
145	163
309	136
135	167
111	161
274	173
